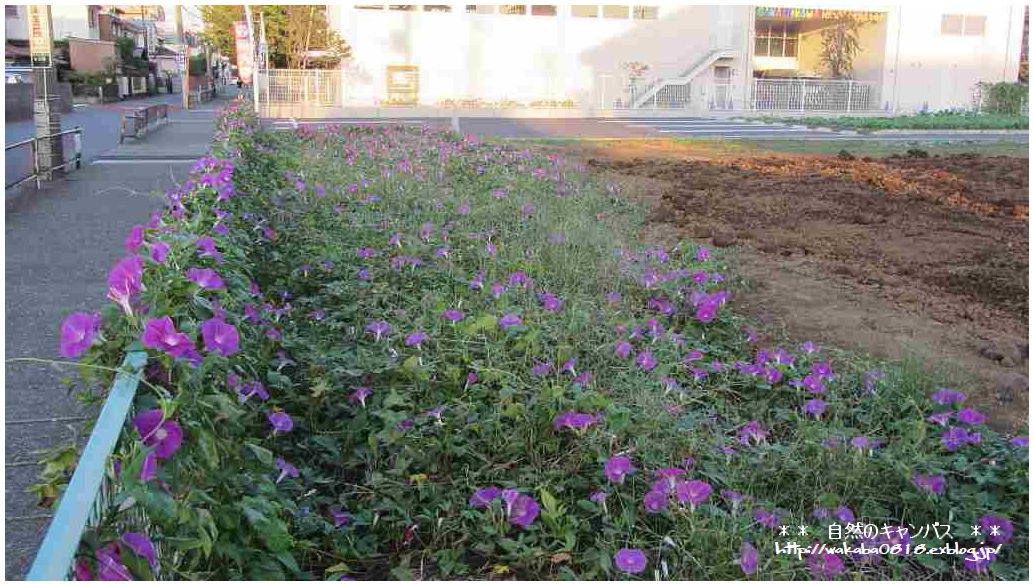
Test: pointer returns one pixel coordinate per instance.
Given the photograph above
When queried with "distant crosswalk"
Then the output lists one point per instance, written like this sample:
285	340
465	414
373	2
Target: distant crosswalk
717	128
288	123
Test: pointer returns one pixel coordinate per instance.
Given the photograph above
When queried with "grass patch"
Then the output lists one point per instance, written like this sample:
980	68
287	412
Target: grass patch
934	121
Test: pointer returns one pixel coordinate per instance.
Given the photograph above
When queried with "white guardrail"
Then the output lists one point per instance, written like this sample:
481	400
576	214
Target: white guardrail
815	95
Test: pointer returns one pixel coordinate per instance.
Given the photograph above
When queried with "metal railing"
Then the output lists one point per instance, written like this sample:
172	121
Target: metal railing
90	494
33	143
815	95
140	121
316	87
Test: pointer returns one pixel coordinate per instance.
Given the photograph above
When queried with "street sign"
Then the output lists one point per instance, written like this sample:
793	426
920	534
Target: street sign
40	43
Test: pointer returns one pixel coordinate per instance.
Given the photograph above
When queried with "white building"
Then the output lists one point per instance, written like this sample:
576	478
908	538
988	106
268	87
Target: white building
699	57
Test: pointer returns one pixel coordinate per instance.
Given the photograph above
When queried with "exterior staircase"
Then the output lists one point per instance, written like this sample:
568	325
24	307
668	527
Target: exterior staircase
681	83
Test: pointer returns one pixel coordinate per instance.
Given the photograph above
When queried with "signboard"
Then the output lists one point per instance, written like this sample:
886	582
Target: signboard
403	84
41	47
245	51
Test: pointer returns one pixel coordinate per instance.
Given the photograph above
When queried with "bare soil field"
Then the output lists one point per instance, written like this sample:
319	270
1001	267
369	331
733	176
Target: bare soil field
903	257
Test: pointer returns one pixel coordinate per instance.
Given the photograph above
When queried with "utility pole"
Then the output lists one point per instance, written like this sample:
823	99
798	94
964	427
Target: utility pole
184	58
47	117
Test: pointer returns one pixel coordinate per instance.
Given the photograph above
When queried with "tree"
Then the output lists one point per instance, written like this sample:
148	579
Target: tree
840	45
291	32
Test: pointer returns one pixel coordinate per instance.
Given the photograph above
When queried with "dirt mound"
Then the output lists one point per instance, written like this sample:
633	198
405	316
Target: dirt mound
938	242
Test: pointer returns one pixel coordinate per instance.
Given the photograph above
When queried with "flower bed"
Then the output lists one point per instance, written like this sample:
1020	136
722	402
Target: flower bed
390	353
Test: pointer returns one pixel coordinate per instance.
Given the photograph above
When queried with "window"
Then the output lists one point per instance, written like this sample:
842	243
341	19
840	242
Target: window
437	8
369	6
10	11
612	11
957	25
585	11
776	38
543	10
973	26
402	7
644	12
480	8
513	9
92	17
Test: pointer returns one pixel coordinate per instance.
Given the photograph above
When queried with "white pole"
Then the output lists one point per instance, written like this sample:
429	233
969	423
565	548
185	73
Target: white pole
254	62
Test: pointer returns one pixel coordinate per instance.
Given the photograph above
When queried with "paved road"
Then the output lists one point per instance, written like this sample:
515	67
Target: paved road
101	124
660	127
61	242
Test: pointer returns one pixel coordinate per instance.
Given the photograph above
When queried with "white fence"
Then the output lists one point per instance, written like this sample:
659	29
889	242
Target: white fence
815	95
316	87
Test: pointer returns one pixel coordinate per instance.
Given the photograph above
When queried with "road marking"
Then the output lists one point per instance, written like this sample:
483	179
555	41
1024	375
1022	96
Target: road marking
142	161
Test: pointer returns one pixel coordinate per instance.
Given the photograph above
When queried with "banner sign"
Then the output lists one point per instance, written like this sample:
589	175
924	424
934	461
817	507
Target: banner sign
403	84
819	13
41	46
245	51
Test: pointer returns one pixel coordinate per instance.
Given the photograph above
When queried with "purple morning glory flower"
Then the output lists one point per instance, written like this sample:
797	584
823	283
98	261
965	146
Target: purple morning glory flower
220	337
617	468
822	370
149	471
752	432
395	240
528	210
340	516
979	563
360	394
159	252
522	511
164	436
281	422
139	544
997	529
574	420
464	209
378	329
478	282
126	280
767	518
82	571
954	438
509	321
366	253
825	566
286	469
484	497
490	249
694	492
970	416
934	484
844	514
78	332
569	366
613	298
207	249
703	254
809	347
416	339
941	419
1021	441
453	315
815	408
472	378
541	369
253	388
364	274
583	380
948	397
646	361
161	334
733	497
599	497
748	558
630	561
206	279
655	501
110	566
551	302
498	290
135	240
862	443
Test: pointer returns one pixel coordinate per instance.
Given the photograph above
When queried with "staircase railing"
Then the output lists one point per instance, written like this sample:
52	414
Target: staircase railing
678	87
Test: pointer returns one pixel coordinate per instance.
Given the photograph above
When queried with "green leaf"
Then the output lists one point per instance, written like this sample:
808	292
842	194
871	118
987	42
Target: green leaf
265	456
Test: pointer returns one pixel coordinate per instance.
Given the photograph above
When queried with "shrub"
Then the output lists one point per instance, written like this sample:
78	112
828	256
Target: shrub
1004	98
392	353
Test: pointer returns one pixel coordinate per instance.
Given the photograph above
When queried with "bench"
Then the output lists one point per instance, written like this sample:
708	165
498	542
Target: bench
137	123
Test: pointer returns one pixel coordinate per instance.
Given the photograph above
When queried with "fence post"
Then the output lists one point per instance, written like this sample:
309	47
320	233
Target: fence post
804	90
850	86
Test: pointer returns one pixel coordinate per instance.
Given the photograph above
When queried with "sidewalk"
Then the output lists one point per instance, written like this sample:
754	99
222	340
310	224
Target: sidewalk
61	243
